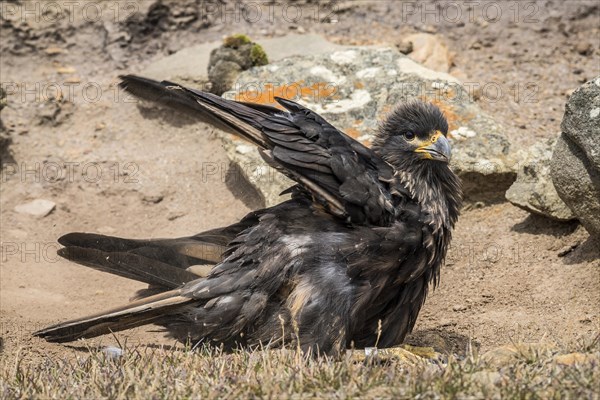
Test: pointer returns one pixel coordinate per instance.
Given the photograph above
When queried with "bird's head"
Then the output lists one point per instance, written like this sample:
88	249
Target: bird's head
413	140
414	131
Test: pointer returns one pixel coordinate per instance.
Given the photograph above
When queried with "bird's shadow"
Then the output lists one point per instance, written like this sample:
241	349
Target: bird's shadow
173	118
442	340
87	348
242	189
234	180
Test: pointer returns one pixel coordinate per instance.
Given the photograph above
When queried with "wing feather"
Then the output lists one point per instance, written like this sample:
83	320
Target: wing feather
347	178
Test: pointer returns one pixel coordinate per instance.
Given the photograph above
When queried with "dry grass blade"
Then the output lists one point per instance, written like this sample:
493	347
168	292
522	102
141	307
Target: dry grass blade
209	373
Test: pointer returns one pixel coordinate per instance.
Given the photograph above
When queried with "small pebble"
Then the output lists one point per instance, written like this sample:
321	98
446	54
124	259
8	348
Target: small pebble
153	199
113	352
405	47
584	48
370	351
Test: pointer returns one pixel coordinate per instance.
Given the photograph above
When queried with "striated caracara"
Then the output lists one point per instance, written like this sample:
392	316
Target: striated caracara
347	262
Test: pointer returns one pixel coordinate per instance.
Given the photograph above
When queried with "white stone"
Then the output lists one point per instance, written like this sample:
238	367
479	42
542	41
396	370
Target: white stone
358	99
368	72
463	132
371	351
244	148
344	57
367	137
113	352
326	74
38	208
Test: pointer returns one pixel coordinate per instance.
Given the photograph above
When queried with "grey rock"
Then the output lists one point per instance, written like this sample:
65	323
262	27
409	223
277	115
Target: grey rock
482	159
5	138
268	182
575	165
38	208
239	56
222	76
533	190
354	87
5	141
577	183
3	100
581	122
236	54
190	65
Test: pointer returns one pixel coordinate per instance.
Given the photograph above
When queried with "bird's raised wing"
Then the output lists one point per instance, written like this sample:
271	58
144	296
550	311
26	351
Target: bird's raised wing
345	177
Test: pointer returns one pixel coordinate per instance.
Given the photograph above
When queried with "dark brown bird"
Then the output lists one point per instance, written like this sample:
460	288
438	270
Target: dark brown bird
346	262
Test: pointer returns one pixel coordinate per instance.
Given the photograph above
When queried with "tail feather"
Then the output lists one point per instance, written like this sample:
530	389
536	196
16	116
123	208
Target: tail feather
166	263
129	265
180	252
137	313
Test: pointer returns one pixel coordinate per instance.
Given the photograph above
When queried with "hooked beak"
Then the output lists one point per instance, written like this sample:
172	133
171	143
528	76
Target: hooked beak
437	148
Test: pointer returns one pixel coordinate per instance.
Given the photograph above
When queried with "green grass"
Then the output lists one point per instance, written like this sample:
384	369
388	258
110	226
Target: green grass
531	372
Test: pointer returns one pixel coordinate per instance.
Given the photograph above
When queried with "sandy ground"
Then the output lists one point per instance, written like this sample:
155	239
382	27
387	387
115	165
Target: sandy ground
114	168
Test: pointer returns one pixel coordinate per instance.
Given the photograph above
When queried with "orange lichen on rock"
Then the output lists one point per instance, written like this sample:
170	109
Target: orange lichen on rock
454	119
385	111
316	93
353	132
356	134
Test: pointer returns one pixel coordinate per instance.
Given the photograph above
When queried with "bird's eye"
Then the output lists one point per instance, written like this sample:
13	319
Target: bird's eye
409	135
